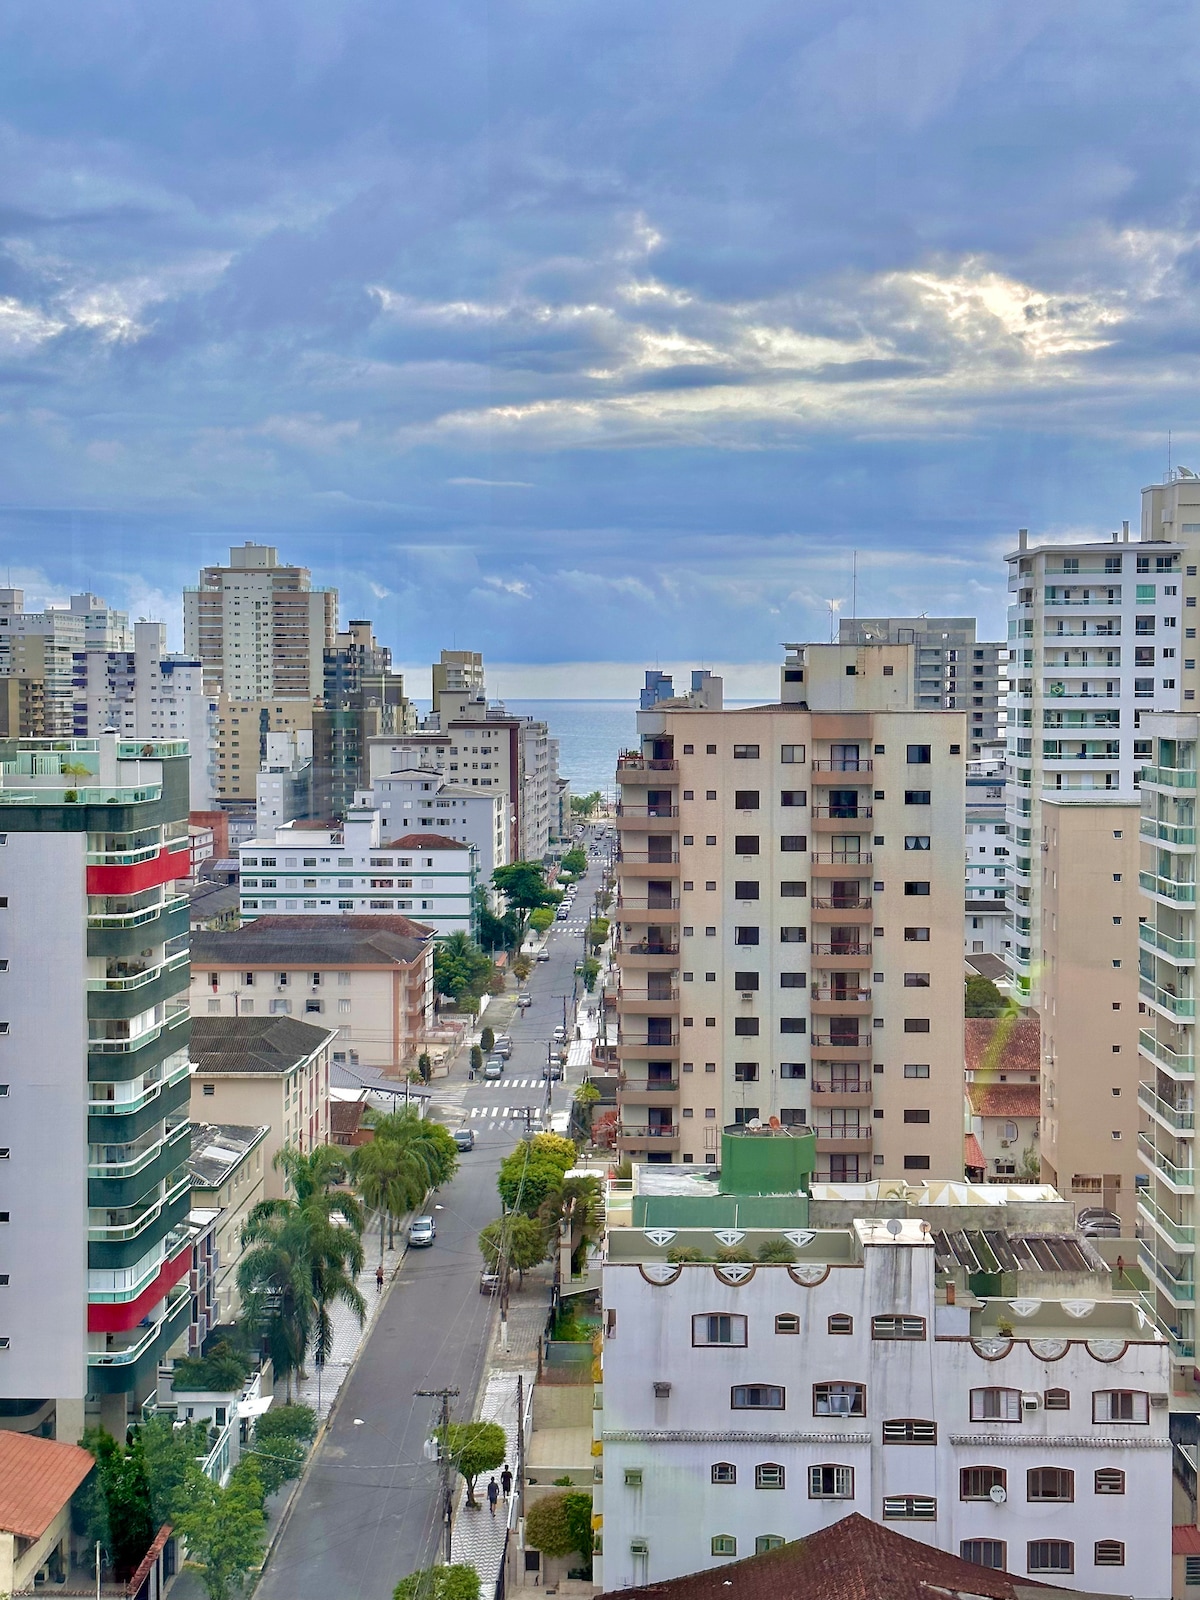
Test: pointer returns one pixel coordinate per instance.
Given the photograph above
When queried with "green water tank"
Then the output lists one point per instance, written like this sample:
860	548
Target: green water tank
767	1160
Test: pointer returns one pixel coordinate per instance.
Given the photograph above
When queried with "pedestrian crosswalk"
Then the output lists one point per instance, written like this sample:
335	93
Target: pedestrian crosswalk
496	1113
522	1083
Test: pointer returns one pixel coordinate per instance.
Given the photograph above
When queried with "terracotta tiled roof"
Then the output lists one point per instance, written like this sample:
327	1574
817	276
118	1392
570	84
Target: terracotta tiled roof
999	1044
1005	1099
973	1155
855	1559
345	1117
424	841
37	1478
1185	1540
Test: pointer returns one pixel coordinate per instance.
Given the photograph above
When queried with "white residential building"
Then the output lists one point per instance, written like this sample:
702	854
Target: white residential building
746	1403
986	925
420	800
44	645
350	868
284	787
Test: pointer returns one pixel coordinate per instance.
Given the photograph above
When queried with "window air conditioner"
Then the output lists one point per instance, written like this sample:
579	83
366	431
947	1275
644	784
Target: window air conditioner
1031	1402
662	1391
639	1547
1158	1401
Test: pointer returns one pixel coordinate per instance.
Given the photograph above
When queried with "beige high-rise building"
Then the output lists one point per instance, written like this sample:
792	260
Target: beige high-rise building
241	744
789	919
1089	1001
260	629
458	672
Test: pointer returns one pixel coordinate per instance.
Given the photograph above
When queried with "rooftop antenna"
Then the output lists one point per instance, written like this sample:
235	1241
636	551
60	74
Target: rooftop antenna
854	586
1168	455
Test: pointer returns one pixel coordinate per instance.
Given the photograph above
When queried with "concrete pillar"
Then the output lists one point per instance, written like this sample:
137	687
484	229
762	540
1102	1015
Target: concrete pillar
113	1414
69	1420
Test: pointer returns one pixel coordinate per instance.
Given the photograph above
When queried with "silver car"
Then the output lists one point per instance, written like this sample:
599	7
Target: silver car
421	1232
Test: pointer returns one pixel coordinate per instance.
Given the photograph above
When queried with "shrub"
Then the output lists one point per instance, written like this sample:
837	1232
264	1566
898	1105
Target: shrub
222	1370
685	1252
777	1250
729	1253
439	1583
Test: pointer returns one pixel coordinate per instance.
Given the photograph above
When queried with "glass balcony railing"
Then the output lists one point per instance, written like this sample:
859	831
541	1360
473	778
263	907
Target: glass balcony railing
1182	1120
1182	1236
1178	1284
1182	1349
117	1232
1182	1179
1179	1063
1177	1005
150	749
130	1353
1155	939
135	1161
1168	833
151	1091
1168	888
138	980
89	795
135	919
1169	777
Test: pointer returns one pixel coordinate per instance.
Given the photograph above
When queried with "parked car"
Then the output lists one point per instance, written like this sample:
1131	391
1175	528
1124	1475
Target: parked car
524	1001
1098	1222
542	955
421	1232
552	1070
489	1282
562	913
502	1046
493	1067
464	1138
560	1034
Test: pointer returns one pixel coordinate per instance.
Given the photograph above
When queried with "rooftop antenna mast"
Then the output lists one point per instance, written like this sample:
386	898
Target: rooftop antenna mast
854	586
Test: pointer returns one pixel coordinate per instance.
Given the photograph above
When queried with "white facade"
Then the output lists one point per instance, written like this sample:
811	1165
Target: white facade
866	1421
45	645
420	800
354	870
283	789
987	853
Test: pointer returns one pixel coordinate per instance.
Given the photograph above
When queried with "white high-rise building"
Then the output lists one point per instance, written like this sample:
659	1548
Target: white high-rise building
43	645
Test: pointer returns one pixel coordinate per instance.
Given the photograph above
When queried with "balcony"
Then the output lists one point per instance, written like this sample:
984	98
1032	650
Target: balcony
175	1017
1166	999
120	1232
843	909
1174	949
642	769
1181	1179
136	919
1168	888
638	816
827	773
1168	778
1179	1120
1183	1238
829	1003
641	1136
178	1138
647	1091
129	1369
1172	1062
1179	1287
138	977
632	1002
149	1093
90	795
641	864
828	819
840	858
643	1049
653	911
842	1098
839	1045
843	1141
840	952
1168	833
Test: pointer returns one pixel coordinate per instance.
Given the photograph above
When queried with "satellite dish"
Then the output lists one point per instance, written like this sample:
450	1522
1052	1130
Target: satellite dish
997	1494
895	1227
1185	472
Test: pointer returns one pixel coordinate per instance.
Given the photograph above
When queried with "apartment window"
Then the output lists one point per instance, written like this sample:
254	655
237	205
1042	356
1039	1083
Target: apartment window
916	1069
745	1072
791	754
1120	1405
745	844
916	1024
990	1553
723	1472
1051	1555
718	1328
745	800
916	797
745	889
1056	1399
745	980
909	1508
916	980
723	1544
840	1323
1109	1553
769	1475
768	1541
745	1027
919	755
897	1327
909	1430
1109	1480
839	1400
916	1163
995	1405
793	1069
916	841
745	752
793	980
789	935
745	935
793	888
1049	1483
831	1483
792	1024
787	1322
793	841
793	797
756	1397
916	1114
916	935
918	887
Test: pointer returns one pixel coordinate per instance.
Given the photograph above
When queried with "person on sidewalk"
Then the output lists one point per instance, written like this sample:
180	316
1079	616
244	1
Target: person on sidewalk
493	1494
506	1481
379	1278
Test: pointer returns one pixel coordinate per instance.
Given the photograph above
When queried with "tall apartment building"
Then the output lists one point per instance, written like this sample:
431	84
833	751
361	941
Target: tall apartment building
284	786
986	919
457	672
93	1073
422	801
362	699
149	693
1167	1040
789	919
260	628
243	730
41	646
951	668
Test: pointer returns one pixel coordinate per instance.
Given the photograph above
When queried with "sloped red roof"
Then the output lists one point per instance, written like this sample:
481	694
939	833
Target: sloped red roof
424	841
1002	1044
1005	1099
973	1155
37	1478
855	1559
1185	1540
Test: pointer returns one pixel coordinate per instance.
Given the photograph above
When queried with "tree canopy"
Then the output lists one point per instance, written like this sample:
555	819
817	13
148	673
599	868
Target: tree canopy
585	805
461	969
534	1170
225	1530
439	1583
575	861
475	1448
522	1241
983	999
561	1524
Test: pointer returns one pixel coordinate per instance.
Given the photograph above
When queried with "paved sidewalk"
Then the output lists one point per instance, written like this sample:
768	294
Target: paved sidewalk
478	1538
320	1390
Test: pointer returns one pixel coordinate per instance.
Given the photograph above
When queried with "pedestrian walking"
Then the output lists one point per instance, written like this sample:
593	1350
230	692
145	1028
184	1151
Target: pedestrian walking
379	1278
493	1494
506	1480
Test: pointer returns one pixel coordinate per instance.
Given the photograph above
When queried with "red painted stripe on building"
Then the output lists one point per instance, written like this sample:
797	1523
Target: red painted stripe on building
167	864
126	1314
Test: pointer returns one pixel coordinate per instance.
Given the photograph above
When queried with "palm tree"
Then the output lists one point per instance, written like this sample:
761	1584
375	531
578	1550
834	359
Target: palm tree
405	1160
275	1281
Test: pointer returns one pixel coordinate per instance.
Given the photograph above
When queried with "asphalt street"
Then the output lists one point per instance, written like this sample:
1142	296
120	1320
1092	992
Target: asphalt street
368	1512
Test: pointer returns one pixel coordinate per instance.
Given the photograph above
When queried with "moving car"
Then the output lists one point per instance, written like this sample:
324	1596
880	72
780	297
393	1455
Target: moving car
502	1045
542	955
524	1001
562	913
493	1067
464	1138
421	1231
489	1282
552	1070
560	1034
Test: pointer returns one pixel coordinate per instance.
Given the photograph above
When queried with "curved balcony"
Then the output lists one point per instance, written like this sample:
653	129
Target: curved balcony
1168	778
1170	889
176	1017
129	1369
144	1097
121	1232
1178	1120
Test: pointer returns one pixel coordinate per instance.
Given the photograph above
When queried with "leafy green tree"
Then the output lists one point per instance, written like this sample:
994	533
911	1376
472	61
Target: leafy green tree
525	1182
425	1066
523	885
439	1583
575	861
520	1240
495	932
281	1440
460	968
591	971
983	999
125	1492
521	967
541	918
407	1157
172	1455
585	805
474	1448
486	1040
587	1094
597	932
561	1524
476	1057
225	1530
579	1203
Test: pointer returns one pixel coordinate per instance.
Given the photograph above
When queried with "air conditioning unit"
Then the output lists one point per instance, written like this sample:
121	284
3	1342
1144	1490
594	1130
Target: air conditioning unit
1005	1143
1158	1401
639	1547
1031	1402
662	1391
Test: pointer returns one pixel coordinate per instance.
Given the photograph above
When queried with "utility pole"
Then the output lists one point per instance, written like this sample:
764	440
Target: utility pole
444	1460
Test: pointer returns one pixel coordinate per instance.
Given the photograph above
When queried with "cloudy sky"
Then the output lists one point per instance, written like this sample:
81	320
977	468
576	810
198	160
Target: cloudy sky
591	330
